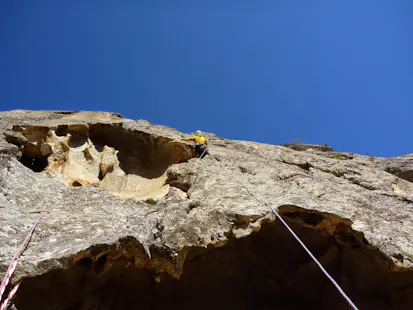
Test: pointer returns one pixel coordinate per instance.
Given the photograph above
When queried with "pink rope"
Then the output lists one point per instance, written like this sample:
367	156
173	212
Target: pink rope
13	265
10	297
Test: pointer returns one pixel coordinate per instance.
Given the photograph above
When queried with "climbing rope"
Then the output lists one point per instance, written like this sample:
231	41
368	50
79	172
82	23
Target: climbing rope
26	241
259	199
21	249
12	267
9	297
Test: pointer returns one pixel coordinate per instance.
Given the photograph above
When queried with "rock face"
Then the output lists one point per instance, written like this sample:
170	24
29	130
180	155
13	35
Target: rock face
402	166
68	153
138	223
304	147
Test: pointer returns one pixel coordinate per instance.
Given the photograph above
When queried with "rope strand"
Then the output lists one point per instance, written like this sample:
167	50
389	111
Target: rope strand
329	277
13	265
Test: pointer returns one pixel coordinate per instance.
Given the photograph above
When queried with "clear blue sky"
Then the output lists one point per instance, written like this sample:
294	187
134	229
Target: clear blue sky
333	71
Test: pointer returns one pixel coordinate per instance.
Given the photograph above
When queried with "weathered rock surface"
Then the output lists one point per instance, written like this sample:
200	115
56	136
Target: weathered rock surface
304	147
198	238
402	166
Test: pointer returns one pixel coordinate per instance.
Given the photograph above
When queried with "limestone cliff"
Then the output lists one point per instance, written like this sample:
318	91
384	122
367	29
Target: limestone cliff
138	223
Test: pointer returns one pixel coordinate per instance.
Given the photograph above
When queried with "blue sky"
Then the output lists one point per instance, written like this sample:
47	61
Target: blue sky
333	71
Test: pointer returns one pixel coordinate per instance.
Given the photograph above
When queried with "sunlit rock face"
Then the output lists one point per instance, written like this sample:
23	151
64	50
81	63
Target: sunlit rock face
132	221
68	154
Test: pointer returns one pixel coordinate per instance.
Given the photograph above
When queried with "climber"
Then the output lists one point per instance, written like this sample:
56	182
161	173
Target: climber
201	143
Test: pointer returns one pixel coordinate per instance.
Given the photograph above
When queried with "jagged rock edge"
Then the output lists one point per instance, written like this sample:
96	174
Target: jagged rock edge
164	259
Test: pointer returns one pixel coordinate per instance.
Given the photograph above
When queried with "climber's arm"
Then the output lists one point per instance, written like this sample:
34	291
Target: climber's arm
189	139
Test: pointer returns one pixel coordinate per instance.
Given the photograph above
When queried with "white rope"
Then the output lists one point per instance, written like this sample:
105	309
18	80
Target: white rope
340	290
206	148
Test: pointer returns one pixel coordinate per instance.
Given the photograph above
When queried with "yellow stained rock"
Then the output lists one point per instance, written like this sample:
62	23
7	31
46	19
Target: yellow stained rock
84	165
398	190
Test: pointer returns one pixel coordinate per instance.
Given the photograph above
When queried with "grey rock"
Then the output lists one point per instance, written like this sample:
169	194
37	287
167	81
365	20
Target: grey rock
401	166
15	138
305	147
209	237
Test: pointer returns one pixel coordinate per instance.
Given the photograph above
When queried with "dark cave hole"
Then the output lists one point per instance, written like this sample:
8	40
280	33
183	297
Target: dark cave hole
35	163
100	264
304	166
312	219
85	262
308	218
139	153
267	270
66	112
79	134
76	184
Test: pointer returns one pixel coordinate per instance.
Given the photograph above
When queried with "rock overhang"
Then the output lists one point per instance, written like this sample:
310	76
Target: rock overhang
218	213
127	163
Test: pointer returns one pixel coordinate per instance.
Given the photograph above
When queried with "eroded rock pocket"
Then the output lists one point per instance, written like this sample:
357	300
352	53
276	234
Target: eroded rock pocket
126	163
